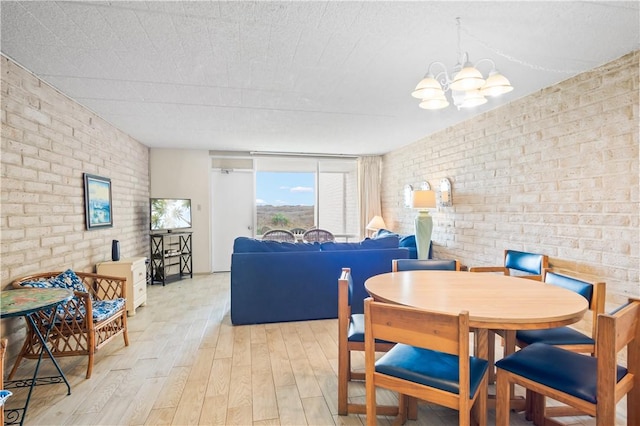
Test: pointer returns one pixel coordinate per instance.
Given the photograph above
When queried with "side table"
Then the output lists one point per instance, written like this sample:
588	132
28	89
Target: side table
30	303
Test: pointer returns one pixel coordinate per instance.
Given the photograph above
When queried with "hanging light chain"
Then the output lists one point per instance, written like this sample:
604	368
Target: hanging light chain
514	59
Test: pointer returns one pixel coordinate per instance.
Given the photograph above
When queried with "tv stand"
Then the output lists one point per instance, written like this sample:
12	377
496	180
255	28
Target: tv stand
171	257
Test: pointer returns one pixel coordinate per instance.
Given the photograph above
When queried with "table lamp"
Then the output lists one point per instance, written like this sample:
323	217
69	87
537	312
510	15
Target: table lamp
423	200
376	224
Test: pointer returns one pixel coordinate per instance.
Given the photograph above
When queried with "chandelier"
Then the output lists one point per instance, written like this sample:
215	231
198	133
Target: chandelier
467	85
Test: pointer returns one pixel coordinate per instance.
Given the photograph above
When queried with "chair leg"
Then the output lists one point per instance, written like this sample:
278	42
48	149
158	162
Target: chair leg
503	397
344	369
15	366
491	340
403	401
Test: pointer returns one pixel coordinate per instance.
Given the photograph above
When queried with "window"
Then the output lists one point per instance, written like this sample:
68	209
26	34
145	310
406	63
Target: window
285	200
306	193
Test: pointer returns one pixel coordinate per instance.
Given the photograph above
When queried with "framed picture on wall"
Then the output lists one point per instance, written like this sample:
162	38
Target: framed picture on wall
97	202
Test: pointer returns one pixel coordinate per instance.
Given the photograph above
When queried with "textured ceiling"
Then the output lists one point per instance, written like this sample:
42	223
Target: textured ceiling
315	77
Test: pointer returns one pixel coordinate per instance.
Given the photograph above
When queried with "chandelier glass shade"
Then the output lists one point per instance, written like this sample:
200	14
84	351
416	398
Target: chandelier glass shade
468	86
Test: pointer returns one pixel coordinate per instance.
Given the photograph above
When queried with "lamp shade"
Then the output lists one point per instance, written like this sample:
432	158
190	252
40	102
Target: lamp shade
423	199
376	223
468	78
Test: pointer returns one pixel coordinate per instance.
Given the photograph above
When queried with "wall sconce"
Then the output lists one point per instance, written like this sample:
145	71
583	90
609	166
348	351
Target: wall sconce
446	198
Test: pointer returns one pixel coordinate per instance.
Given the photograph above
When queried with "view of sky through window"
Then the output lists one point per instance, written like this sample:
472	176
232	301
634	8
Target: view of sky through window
285	189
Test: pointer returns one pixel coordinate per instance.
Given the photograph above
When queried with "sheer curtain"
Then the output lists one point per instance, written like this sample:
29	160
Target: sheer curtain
369	182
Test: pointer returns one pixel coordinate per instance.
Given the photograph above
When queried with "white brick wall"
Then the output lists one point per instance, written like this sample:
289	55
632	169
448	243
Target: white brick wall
555	172
48	142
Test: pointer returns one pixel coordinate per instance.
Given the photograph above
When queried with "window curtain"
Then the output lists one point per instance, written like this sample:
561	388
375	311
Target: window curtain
369	183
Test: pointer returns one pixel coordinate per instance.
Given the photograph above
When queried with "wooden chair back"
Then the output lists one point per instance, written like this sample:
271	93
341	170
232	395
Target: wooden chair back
398	265
435	331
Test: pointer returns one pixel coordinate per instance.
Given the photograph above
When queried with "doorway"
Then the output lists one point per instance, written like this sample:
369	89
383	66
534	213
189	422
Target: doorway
232	205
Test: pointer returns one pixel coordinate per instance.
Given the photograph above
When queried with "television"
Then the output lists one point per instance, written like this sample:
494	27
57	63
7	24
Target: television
168	214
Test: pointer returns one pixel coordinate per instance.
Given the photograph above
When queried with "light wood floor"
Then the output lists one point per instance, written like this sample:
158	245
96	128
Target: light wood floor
186	364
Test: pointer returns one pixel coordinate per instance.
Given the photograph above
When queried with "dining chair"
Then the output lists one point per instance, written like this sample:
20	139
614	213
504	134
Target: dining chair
593	385
426	362
317	235
351	338
281	235
524	265
398	265
567	337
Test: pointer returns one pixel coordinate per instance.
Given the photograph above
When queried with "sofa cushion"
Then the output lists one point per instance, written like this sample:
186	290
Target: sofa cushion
251	245
408	241
368	244
383	233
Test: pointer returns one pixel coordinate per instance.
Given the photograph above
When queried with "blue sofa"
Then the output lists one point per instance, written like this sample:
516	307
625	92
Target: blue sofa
275	282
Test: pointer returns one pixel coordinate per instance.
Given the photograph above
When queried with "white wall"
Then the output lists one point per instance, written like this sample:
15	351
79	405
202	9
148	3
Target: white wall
177	173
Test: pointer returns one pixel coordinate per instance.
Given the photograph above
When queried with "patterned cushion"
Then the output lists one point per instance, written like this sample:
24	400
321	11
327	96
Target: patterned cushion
103	309
41	283
68	279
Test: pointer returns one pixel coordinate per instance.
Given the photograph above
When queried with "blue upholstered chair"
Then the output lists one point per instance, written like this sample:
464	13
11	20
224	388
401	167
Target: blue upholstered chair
566	337
351	338
592	385
523	265
398	265
430	361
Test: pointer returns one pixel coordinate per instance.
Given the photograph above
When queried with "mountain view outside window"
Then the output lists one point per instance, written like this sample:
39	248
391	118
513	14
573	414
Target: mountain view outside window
285	200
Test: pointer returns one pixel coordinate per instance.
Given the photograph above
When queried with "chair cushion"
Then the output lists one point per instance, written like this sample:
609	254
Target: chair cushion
430	368
554	336
569	372
103	309
356	329
68	279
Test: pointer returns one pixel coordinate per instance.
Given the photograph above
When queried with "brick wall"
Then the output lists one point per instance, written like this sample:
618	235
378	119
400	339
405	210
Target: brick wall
555	172
48	142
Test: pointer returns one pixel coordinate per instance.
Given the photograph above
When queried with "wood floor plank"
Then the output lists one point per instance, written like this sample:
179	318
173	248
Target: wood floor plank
191	402
219	377
214	410
240	387
290	406
265	406
316	411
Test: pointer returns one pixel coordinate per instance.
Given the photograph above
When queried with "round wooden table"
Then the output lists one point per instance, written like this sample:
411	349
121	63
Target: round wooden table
494	302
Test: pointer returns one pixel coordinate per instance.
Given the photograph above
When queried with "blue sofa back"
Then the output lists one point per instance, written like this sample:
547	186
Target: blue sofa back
301	285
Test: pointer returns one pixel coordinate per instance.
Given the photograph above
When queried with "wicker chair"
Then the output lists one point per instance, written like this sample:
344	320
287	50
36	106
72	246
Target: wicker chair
317	235
84	324
281	235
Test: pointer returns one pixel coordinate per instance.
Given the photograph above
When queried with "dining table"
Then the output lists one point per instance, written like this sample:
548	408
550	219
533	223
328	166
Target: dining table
494	302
